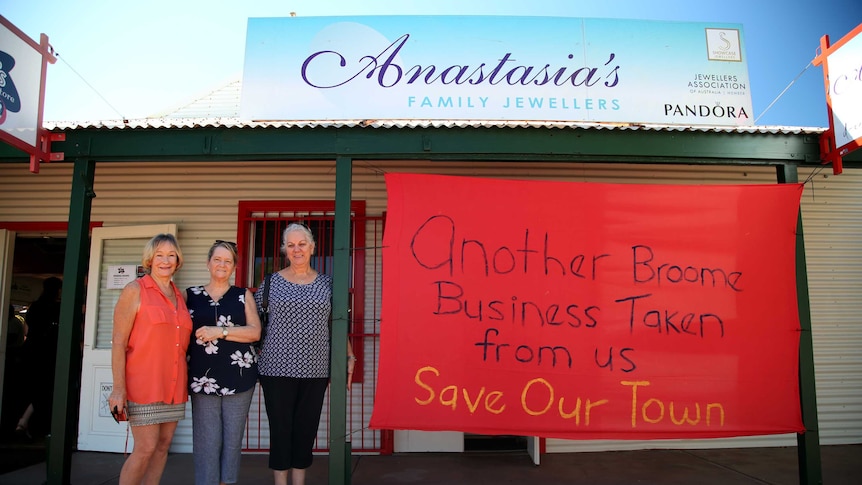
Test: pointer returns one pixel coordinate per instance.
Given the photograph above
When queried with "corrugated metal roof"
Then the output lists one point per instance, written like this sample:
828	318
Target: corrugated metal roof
220	108
221	102
234	122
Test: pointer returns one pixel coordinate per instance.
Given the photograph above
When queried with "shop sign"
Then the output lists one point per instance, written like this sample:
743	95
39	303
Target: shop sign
842	73
496	68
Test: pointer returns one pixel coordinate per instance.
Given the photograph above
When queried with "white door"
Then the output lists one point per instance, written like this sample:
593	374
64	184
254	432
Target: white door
534	448
110	247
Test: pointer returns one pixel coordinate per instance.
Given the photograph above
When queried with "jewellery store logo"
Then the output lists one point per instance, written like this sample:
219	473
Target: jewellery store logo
723	45
9	100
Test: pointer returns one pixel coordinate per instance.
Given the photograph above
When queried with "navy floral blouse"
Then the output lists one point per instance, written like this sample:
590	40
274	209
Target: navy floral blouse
220	367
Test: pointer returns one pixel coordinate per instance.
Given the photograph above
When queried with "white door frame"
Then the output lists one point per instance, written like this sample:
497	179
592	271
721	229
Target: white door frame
97	430
7	253
534	448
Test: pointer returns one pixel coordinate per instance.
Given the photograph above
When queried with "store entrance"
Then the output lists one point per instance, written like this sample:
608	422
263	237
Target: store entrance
37	262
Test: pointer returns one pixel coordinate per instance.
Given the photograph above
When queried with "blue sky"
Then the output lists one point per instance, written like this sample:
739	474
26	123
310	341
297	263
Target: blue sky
133	59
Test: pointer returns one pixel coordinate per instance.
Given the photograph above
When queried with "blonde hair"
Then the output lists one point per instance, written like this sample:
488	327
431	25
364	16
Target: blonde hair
153	244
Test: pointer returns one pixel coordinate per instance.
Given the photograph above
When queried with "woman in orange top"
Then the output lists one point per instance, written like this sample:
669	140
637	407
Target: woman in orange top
148	360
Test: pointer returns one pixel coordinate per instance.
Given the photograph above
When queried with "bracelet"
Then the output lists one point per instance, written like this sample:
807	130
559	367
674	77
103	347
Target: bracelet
351	357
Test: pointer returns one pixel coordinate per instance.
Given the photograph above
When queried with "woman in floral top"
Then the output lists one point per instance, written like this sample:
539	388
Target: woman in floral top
222	367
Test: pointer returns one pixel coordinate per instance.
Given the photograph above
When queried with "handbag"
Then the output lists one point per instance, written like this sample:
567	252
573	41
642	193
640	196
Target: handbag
263	312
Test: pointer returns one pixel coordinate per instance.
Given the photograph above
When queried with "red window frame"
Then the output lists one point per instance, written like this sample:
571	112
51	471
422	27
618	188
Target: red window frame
318	215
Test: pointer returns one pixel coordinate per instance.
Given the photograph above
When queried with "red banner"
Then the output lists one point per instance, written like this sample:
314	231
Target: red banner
588	311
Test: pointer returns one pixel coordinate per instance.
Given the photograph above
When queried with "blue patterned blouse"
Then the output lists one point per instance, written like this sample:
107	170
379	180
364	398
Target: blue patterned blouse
297	337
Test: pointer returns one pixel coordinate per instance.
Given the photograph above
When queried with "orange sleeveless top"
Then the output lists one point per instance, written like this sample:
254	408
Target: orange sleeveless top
156	368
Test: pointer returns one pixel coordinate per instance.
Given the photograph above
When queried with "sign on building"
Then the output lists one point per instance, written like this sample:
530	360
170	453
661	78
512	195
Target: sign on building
495	68
23	63
842	73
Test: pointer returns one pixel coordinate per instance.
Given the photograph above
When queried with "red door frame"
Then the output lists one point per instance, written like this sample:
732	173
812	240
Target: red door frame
48	226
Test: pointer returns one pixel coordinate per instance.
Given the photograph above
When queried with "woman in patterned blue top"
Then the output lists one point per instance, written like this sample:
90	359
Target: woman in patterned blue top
222	367
294	358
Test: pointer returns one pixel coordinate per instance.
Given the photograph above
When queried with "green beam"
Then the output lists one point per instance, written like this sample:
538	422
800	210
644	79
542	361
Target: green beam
67	373
339	454
807	443
470	143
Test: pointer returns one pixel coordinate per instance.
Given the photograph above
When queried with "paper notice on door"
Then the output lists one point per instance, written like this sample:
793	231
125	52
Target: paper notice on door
120	276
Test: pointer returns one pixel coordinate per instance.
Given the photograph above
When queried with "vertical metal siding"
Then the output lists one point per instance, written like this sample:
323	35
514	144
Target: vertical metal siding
202	199
832	224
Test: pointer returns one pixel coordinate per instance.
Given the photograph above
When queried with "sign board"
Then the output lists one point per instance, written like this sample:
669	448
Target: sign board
23	63
842	74
589	311
120	276
495	68
20	71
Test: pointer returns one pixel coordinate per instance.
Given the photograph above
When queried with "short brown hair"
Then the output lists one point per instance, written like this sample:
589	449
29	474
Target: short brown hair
229	245
150	250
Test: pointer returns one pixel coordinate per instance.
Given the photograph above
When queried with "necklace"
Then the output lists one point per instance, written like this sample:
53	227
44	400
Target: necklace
303	277
216	293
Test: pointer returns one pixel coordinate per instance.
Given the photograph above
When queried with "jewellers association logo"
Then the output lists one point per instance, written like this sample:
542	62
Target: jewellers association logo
9	100
723	45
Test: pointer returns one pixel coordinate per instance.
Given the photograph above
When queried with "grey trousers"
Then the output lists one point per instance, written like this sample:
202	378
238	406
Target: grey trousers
218	427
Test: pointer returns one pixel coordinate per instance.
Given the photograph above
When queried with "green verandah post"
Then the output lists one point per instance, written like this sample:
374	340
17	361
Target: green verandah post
339	454
807	443
67	373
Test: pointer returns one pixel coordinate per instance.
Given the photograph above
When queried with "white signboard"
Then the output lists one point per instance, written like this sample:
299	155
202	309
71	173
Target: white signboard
495	68
845	91
20	79
120	276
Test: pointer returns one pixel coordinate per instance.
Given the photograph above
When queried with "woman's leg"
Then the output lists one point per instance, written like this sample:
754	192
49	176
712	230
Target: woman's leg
279	477
23	426
293	407
156	467
297	476
234	411
306	420
206	438
279	394
136	465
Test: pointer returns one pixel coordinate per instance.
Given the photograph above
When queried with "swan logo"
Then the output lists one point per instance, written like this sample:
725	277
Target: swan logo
9	101
723	45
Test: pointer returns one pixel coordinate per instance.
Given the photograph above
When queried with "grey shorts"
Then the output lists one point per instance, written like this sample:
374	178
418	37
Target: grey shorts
155	413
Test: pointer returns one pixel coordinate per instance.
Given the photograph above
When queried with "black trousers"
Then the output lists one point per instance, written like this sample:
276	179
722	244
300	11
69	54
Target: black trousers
293	407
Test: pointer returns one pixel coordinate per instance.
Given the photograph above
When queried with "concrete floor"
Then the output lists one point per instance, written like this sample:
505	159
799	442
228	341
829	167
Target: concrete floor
777	466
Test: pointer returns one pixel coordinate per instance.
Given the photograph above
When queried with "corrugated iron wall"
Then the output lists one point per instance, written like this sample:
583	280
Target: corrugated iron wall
201	197
832	222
